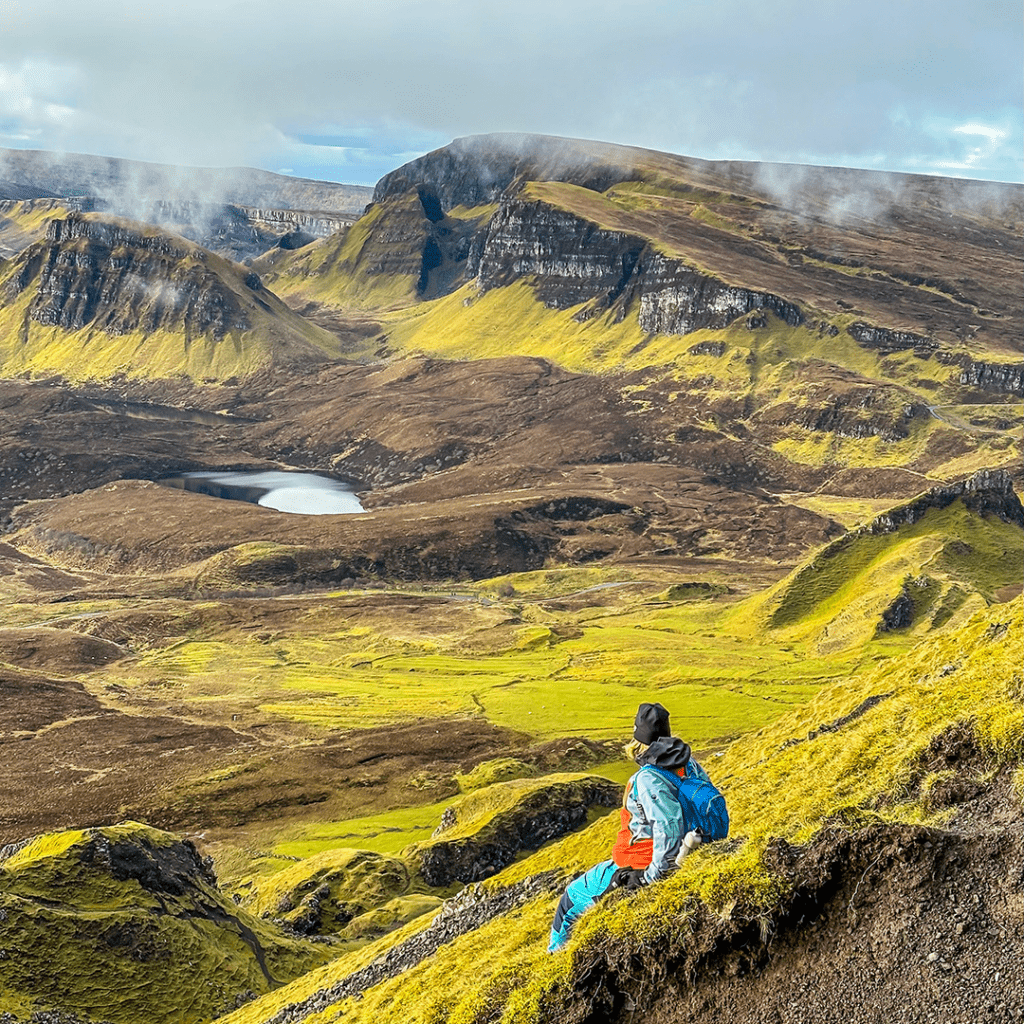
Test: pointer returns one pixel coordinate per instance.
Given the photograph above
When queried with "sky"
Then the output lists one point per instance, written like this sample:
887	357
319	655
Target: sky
347	90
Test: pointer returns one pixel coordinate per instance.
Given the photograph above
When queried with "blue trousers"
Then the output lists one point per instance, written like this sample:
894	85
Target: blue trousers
580	894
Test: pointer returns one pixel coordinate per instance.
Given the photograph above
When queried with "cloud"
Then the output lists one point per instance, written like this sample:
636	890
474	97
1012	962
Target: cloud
354	88
980	155
31	92
992	134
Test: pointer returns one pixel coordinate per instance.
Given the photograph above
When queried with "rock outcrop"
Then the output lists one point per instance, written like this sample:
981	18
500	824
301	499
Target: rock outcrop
323	894
987	492
886	341
547	812
242	233
1002	378
116	277
237	232
570	261
103	276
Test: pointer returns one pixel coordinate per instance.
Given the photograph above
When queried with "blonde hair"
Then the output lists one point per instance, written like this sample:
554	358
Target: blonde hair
634	750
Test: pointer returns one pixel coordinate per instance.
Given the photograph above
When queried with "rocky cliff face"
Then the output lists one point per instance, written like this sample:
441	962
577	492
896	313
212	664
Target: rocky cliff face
145	301
570	259
407	247
241	233
924	265
574	261
115	277
987	492
886	341
547	813
675	299
1001	378
244	232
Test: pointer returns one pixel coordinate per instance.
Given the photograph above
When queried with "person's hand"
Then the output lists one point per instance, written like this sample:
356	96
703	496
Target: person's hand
629	879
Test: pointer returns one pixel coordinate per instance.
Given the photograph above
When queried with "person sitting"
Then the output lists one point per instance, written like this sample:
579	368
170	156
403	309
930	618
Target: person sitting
670	804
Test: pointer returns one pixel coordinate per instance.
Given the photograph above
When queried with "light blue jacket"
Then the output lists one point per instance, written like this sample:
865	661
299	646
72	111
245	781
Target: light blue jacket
656	813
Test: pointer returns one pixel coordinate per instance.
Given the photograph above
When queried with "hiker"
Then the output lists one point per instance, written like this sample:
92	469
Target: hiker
670	805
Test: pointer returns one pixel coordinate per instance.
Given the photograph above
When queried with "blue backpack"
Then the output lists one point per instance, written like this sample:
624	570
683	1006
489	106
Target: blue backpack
703	806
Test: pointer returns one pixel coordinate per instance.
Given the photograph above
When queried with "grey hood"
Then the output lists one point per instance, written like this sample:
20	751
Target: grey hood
668	752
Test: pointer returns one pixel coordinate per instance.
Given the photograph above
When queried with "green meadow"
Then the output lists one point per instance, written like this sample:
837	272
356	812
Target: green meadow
581	674
726	665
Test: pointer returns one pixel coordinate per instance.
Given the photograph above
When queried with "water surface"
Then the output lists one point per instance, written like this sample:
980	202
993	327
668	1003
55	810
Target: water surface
307	494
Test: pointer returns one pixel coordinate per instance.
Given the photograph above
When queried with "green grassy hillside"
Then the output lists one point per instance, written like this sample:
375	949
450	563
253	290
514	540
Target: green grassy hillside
124	924
814	387
857	754
800	678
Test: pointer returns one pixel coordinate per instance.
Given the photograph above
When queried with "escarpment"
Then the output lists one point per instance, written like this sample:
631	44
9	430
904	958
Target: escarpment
987	492
568	260
682	244
572	261
120	279
98	296
233	230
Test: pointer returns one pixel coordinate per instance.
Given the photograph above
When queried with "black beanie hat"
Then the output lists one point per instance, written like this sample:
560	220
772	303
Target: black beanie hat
651	722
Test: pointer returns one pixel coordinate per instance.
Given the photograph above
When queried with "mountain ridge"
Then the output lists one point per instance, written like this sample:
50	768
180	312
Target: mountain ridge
69	174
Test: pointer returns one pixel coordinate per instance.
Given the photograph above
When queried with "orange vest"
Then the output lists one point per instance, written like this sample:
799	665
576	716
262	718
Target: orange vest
628	853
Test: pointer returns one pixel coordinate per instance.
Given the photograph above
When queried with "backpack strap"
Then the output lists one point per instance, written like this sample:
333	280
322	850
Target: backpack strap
676	783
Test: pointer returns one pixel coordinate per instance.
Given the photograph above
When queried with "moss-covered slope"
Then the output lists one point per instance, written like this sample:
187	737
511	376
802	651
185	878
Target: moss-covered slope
357	895
125	924
672	246
344	892
912	568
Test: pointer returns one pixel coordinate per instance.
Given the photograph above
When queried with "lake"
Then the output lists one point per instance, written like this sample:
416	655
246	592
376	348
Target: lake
307	494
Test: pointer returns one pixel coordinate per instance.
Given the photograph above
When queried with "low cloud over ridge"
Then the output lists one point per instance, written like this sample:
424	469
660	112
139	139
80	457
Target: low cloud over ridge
350	91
